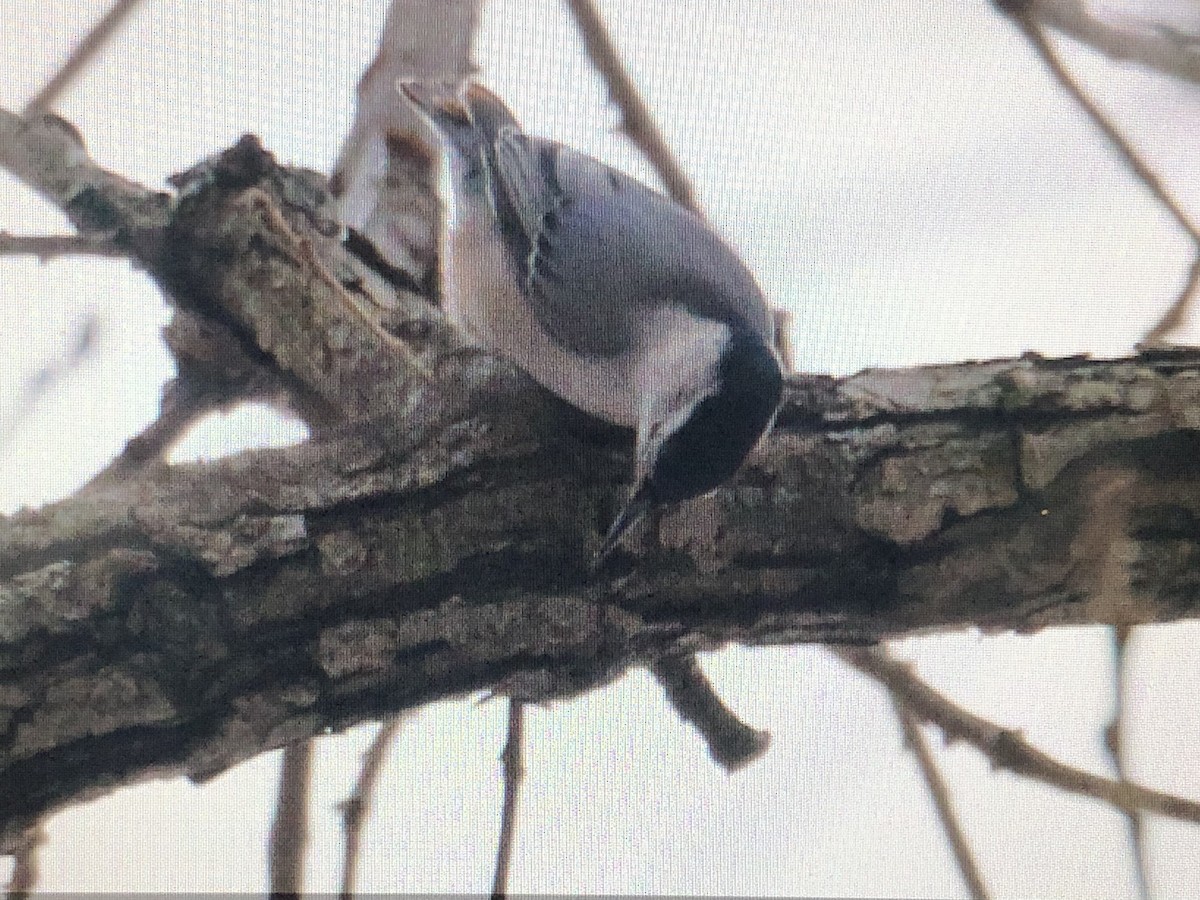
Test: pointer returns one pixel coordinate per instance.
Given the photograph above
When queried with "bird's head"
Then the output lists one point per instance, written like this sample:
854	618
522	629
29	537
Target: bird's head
696	435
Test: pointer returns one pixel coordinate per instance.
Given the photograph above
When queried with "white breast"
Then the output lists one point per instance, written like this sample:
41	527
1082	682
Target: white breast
483	298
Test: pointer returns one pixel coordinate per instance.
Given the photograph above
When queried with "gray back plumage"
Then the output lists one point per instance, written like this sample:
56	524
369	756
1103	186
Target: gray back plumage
596	250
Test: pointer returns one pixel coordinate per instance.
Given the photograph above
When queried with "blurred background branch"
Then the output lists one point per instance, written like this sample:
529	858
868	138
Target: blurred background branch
356	809
1025	15
288	838
1005	748
939	792
84	53
1122	37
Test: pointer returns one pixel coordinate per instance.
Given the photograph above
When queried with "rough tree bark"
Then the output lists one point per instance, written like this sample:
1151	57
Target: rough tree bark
437	541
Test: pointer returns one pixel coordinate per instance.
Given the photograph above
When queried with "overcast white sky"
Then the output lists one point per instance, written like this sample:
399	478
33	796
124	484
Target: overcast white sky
907	179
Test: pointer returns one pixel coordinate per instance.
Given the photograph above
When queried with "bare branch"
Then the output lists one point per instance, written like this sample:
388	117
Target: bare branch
1124	149
731	743
1176	312
514	774
1114	742
357	806
1005	748
25	863
1020	13
49	376
373	375
414	554
47	247
289	829
385	174
914	739
1144	43
636	121
84	52
216	372
184	401
47	153
276	593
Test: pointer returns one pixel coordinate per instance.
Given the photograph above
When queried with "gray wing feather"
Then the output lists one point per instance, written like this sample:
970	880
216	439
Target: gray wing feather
520	172
603	249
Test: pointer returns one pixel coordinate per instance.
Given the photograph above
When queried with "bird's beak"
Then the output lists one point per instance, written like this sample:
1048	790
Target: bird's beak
636	507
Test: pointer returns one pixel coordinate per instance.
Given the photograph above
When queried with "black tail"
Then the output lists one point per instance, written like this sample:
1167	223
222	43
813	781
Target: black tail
488	112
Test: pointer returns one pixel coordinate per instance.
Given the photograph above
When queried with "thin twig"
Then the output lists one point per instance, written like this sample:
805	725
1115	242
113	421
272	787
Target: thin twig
1032	30
940	792
1177	311
49	376
639	126
1006	748
215	373
636	121
92	43
357	806
1149	44
514	773
1019	12
25	863
47	246
289	830
731	742
1114	740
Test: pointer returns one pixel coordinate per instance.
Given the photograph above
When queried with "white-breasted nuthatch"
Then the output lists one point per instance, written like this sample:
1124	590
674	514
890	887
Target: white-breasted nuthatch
618	300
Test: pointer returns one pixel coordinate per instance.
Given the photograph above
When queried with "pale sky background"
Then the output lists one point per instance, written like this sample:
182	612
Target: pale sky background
908	180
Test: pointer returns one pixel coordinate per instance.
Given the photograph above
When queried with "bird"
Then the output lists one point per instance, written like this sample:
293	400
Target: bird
618	300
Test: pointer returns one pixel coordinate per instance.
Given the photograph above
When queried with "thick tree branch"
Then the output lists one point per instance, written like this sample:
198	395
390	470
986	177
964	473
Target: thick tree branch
204	613
189	617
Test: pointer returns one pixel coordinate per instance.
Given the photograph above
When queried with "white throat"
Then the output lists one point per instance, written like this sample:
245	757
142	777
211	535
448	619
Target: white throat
676	363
